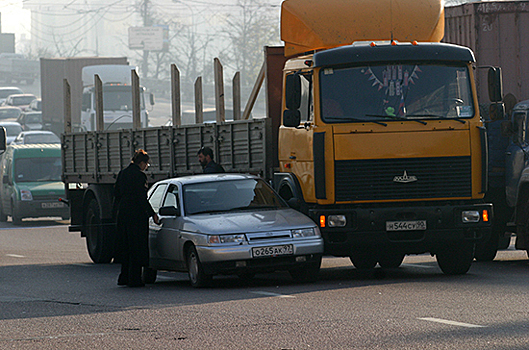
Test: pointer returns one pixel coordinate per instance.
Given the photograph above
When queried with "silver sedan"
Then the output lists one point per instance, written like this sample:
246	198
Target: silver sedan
229	224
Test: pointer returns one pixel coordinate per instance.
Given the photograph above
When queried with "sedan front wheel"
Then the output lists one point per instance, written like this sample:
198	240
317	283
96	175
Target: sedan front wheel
197	276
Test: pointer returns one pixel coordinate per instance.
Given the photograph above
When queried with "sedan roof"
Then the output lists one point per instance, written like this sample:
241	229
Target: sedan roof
193	179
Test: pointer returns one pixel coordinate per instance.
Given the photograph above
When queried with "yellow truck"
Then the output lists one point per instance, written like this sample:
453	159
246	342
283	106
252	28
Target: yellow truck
373	130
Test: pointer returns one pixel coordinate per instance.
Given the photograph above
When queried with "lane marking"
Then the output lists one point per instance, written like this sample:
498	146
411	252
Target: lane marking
452	323
270	294
15	255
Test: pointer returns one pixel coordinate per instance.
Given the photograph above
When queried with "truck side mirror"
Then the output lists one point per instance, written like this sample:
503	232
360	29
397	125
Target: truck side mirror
497	111
151	99
293	91
291	118
3	138
495	84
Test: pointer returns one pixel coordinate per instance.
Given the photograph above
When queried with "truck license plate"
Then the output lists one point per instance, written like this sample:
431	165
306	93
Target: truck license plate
265	252
406	225
52	205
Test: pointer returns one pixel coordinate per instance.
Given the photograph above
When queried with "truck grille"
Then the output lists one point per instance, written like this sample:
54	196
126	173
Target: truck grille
444	177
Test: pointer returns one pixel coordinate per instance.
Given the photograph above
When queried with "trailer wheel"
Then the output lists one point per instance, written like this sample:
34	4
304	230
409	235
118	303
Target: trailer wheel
100	244
456	259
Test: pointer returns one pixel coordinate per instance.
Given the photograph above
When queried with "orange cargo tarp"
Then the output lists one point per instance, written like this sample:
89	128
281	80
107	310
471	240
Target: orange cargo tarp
308	25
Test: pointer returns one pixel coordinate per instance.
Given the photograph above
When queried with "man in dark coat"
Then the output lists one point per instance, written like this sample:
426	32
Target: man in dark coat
132	212
205	158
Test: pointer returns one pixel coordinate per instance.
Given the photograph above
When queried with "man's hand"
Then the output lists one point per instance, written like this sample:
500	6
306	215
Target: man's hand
156	219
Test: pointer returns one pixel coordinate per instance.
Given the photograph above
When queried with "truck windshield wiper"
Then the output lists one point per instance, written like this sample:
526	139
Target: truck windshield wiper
396	118
355	119
437	116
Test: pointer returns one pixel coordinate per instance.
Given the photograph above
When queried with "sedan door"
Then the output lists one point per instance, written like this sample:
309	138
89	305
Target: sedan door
168	240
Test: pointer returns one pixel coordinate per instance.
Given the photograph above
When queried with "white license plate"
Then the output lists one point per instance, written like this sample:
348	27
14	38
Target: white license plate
406	225
52	205
265	252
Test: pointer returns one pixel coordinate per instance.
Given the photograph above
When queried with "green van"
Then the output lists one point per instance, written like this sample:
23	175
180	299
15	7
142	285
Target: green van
31	182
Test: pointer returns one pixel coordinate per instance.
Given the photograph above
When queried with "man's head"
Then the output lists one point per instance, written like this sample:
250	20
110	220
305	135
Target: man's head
205	155
141	159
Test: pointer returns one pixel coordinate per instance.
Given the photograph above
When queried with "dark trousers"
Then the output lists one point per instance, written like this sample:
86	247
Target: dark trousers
130	273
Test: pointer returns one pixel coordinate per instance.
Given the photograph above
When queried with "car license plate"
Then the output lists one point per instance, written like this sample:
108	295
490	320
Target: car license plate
266	252
52	205
405	225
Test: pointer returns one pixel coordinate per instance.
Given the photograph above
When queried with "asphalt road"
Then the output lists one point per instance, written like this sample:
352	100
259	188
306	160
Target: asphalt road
53	297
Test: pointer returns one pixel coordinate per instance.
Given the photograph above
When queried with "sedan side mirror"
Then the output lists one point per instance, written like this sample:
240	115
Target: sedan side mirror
169	211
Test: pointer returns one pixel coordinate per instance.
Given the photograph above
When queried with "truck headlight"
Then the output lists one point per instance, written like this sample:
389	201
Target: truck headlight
240	238
469	216
336	221
25	195
305	232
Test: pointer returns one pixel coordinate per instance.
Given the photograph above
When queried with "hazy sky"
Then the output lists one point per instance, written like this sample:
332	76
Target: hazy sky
14	18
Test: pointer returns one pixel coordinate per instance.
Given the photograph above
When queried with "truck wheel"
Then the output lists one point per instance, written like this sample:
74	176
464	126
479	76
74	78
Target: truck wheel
306	273
364	260
456	259
149	275
389	260
197	276
486	250
100	244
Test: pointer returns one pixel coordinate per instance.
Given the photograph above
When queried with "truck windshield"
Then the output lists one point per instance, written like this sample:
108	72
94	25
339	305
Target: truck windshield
395	92
38	169
119	98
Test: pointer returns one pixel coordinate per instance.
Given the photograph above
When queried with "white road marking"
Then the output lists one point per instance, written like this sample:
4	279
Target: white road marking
453	323
272	294
15	255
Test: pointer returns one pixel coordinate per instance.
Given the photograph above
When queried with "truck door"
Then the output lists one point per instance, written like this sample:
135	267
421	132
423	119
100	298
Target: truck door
516	157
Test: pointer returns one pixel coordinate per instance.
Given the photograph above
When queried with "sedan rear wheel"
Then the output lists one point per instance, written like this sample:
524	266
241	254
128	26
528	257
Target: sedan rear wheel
197	276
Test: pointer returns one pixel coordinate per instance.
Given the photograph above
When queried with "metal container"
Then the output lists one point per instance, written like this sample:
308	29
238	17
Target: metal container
498	33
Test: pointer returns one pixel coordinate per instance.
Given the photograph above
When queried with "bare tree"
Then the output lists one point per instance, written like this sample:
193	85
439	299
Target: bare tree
253	26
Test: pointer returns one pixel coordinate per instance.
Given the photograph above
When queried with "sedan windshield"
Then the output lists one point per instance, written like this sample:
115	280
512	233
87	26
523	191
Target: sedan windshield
382	93
222	196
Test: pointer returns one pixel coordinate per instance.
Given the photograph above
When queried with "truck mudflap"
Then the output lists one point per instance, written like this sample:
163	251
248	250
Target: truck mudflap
408	230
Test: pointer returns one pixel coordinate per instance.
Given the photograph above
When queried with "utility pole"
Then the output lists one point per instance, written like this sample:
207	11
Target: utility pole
146	23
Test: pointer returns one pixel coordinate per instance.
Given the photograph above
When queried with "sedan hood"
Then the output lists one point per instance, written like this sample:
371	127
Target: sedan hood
247	221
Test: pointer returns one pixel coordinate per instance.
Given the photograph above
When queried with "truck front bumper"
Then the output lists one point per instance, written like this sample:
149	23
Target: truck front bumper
374	228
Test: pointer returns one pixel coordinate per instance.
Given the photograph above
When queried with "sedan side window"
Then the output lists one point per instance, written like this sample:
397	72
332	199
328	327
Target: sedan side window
171	199
155	197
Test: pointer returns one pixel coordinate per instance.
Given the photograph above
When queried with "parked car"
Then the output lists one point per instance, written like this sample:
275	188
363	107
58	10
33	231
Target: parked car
35	105
8	90
12	130
30	120
8	112
31	183
36	136
21	101
229	224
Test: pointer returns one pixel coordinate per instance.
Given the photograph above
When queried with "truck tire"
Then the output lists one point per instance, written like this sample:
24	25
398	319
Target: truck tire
197	276
456	259
391	260
3	216
364	260
15	216
100	244
486	250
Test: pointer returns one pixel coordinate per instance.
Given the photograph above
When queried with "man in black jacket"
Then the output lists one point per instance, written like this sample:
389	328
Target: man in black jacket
205	158
132	212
